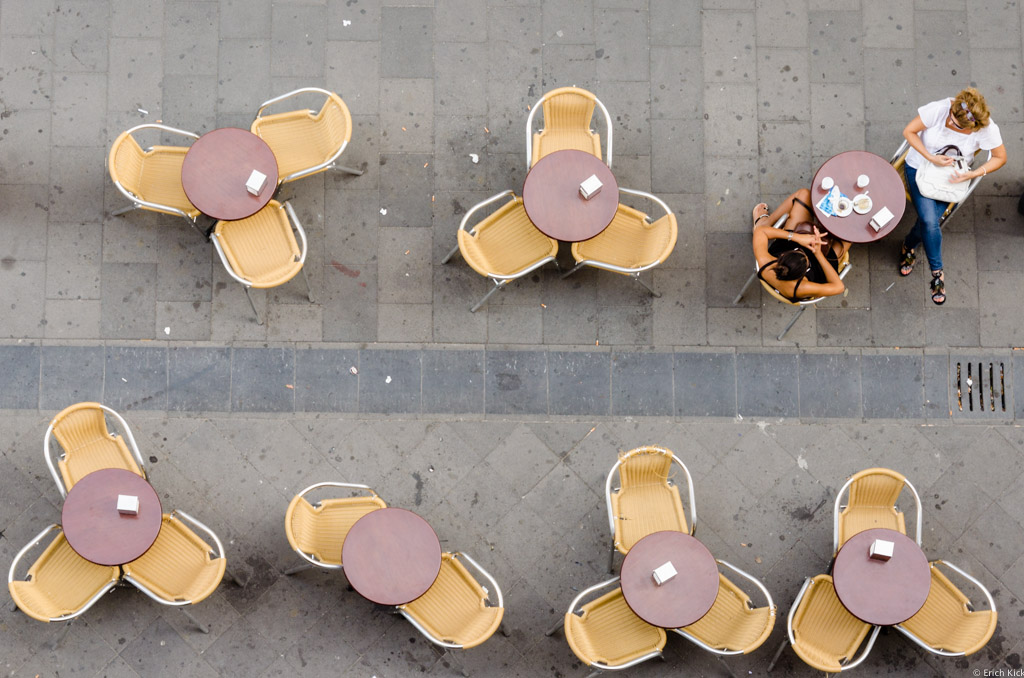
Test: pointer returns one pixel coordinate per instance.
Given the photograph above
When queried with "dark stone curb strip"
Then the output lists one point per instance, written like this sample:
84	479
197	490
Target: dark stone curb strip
898	384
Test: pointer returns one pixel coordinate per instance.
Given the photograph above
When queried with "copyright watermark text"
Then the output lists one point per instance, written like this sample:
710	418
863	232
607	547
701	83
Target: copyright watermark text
999	673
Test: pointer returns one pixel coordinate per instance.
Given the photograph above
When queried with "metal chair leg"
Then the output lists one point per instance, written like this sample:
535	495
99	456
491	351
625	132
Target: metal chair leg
571	271
504	630
60	639
204	629
497	286
259	320
123	210
645	285
309	289
298	568
743	291
792	322
348	170
611	560
450	254
560	624
240	583
725	665
455	662
778	654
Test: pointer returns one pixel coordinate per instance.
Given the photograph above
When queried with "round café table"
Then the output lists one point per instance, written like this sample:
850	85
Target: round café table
885	189
882	592
681	600
551	196
95	529
391	556
216	168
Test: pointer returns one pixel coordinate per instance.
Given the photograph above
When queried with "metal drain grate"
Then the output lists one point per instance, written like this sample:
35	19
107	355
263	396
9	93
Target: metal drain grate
980	387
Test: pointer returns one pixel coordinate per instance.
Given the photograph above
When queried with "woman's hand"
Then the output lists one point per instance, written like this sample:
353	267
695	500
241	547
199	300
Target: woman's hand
940	160
958	177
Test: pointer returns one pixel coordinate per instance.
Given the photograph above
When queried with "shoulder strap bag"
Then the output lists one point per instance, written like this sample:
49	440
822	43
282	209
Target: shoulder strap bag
933	180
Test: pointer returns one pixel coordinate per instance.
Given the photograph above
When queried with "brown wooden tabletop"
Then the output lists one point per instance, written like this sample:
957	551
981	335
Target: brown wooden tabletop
551	196
885	189
391	556
882	592
95	529
683	599
216	168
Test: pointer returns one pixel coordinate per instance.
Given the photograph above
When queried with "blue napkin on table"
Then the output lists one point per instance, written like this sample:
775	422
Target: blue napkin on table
828	203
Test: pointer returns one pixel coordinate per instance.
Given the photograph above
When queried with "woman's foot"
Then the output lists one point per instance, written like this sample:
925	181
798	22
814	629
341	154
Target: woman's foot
907	258
760	212
938	286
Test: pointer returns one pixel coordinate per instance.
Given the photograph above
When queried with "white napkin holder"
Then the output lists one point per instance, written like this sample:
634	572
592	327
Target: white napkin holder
257	180
128	504
590	187
881	218
881	549
663	573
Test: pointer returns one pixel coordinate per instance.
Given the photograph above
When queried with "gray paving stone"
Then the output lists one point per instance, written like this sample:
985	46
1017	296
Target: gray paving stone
21	386
82	26
516	382
389	381
641	384
72	319
674	22
459	21
830	385
705	384
767	384
24	285
569	65
324	380
364	21
302	57
453	382
29	83
938	400
836	42
70	374
892	386
672	171
135	378
262	380
728	38
579	382
406	186
129	295
625	60
199	379
406	42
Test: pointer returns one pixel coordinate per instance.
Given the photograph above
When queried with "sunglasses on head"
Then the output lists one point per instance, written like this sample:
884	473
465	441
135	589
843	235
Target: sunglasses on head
967	112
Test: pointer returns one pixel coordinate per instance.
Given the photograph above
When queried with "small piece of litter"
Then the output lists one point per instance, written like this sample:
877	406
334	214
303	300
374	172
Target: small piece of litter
425	164
757	559
124	380
404	130
346	22
559	33
383	211
167	330
289	386
353	370
743	543
143	111
431	198
430	468
387	380
890	286
407	251
543	305
474	157
487	130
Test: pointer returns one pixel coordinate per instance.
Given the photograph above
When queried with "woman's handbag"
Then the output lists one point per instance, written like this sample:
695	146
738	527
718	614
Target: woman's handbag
933	180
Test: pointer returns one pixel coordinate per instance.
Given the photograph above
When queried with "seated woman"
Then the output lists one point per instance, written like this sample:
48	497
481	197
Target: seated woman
798	265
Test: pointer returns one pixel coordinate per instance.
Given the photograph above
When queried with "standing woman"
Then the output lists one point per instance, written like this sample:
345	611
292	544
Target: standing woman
964	122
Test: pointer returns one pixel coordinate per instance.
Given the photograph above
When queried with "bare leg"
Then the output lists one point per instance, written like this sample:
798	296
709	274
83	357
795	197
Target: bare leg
787	204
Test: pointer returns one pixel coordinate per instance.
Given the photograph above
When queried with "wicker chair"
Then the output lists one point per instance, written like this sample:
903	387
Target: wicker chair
567	116
88	445
606	634
304	141
948	625
733	625
179	569
60	585
455	612
631	244
151	178
899	159
822	632
317	530
503	246
872	503
261	251
647	500
844	268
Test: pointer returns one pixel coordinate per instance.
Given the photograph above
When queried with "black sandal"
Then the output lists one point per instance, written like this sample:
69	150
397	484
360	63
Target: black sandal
938	286
908	257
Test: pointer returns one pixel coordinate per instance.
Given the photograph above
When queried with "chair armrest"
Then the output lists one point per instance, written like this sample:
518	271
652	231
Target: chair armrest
485	573
195	523
838	506
649	196
608	496
917	509
164	128
587	591
480	205
298	227
139	202
689	487
49	461
973	580
128	434
330	483
25	549
754	580
899	152
529	132
608	125
277	99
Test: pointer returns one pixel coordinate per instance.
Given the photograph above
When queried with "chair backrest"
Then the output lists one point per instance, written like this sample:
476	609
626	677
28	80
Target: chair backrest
632	242
873	490
733	625
88	445
505	242
948	624
568	108
60	584
319	531
262	249
823	633
125	162
844	269
899	159
454	609
568	113
608	633
179	566
333	127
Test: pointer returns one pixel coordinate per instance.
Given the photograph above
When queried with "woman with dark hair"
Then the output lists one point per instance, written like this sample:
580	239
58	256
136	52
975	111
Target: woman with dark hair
962	121
800	265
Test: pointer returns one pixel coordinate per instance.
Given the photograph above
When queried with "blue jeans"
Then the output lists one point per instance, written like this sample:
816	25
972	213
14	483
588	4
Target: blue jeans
926	230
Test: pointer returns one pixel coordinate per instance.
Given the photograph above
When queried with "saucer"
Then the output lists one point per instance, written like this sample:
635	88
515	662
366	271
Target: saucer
839	208
867	207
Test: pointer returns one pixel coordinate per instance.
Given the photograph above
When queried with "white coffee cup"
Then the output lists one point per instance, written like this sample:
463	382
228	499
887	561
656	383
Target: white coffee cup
862	181
827	183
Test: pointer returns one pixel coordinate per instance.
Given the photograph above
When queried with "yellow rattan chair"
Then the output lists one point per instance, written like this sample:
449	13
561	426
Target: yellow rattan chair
606	635
567	116
899	159
87	445
872	503
305	141
317	530
61	584
261	251
733	625
180	568
503	246
631	244
844	268
822	632
647	499
455	612
948	624
151	178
